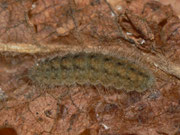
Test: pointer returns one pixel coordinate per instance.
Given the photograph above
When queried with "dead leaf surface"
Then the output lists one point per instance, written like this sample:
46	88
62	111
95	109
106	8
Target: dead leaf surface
35	29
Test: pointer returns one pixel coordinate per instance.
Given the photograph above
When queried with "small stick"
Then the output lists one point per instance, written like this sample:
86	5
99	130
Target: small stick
158	61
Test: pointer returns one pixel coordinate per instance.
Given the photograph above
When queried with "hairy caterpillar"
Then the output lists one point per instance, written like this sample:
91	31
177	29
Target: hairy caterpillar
93	68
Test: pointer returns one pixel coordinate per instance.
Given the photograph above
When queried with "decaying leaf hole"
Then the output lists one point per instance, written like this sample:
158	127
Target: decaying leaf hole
7	131
92	68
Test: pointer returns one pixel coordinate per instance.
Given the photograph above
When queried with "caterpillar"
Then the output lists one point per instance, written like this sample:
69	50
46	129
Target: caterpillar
92	68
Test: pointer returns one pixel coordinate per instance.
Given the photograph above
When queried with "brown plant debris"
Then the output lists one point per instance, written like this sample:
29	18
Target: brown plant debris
146	32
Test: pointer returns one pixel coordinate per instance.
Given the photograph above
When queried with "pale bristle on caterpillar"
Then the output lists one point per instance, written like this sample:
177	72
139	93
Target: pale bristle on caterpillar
92	68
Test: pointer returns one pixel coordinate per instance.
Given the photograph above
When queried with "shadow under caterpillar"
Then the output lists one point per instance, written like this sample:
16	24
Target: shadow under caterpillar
92	68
